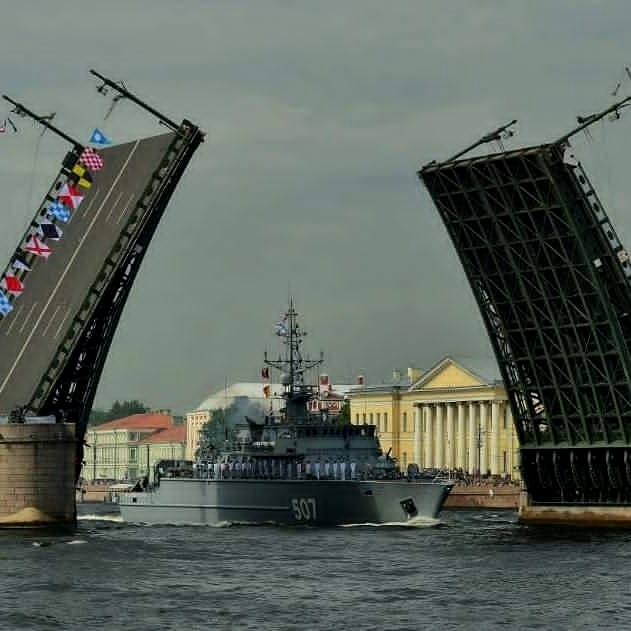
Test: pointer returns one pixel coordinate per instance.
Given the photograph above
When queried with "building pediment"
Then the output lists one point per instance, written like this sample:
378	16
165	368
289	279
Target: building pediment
449	373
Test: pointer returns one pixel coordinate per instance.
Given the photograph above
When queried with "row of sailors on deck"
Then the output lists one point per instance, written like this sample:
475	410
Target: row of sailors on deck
277	469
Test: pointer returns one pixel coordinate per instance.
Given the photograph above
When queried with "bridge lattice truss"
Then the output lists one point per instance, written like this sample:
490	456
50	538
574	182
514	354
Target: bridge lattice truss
552	282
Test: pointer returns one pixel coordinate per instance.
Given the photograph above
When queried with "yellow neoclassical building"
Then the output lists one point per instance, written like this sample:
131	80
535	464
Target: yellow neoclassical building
453	416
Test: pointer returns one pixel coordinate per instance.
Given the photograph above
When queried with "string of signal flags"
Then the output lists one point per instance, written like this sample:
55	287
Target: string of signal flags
70	191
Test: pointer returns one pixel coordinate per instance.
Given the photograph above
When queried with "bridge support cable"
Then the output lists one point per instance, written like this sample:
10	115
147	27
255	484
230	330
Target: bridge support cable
123	92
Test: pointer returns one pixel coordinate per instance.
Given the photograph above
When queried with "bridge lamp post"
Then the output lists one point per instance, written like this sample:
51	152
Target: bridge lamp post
481	434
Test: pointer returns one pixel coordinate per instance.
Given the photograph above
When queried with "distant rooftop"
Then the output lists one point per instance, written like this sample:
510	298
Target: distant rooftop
148	420
254	392
483	368
174	434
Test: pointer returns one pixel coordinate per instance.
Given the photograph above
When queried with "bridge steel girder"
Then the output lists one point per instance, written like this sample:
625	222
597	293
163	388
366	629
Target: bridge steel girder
552	282
67	389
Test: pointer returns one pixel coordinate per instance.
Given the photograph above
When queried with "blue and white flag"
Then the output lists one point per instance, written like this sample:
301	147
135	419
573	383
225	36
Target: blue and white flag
59	211
281	328
99	138
5	304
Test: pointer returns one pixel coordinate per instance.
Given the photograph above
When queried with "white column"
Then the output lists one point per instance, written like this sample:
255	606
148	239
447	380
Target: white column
495	438
513	452
473	438
450	442
417	435
484	461
439	439
429	444
460	440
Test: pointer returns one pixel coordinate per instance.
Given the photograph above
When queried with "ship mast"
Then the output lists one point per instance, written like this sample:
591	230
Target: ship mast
293	366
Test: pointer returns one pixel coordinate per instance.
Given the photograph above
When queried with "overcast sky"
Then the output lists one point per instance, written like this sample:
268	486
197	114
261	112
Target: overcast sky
318	114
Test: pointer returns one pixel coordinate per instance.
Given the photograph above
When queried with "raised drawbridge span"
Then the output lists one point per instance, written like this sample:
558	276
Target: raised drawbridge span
65	286
553	284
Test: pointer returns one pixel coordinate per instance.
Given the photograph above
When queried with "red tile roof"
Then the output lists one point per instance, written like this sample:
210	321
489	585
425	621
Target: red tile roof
150	420
175	434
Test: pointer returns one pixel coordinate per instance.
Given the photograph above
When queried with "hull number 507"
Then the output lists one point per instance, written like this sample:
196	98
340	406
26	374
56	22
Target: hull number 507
304	508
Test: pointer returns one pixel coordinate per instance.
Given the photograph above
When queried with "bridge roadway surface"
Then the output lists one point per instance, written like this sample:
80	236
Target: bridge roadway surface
56	287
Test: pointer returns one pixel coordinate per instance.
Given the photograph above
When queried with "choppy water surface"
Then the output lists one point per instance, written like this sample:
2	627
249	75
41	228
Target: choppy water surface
475	570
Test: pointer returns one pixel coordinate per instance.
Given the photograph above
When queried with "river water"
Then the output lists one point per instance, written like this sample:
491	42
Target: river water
475	570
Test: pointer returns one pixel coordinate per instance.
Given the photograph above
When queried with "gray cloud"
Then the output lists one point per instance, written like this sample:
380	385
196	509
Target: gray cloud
318	116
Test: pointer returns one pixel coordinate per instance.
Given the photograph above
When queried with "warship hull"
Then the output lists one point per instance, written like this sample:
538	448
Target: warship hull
290	502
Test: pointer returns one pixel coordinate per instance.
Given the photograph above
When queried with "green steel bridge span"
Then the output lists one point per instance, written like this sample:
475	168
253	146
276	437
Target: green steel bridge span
553	284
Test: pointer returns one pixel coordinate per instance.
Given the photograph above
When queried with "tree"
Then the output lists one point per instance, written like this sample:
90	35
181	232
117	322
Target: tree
344	417
119	409
223	421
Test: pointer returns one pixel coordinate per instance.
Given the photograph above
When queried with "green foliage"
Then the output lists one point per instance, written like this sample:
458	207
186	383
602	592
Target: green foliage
120	409
216	431
221	426
344	417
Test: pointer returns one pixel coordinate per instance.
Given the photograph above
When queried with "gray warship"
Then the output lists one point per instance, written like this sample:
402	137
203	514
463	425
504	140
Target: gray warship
294	468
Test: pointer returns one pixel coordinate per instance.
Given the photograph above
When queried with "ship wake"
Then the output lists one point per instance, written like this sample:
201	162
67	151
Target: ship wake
415	522
102	517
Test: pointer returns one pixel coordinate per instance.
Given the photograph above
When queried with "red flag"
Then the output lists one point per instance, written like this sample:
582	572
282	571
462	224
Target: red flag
70	196
265	372
35	246
12	284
